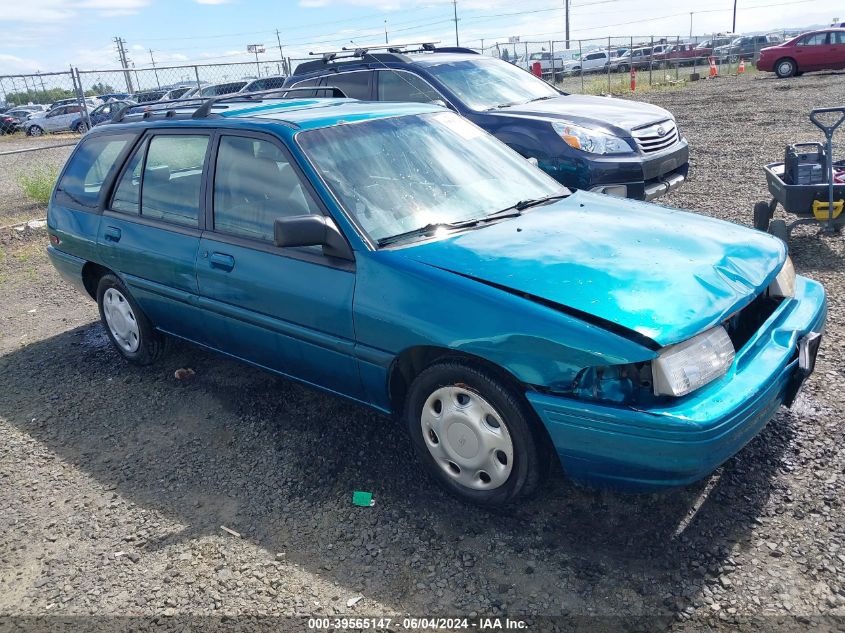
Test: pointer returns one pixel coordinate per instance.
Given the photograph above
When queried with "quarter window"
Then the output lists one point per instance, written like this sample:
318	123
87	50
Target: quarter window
840	37
401	86
254	184
173	177
90	167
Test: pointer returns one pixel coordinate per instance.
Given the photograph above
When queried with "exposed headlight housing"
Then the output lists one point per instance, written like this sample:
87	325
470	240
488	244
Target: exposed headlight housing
590	140
783	285
682	368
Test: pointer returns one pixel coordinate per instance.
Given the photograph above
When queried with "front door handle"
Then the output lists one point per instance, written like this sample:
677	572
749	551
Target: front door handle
112	234
222	261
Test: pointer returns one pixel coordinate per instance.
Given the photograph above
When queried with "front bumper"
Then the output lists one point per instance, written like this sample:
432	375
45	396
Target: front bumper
644	176
685	440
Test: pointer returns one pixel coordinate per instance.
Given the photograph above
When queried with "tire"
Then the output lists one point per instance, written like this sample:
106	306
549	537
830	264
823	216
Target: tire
127	327
34	130
779	230
762	216
81	127
506	453
623	68
786	67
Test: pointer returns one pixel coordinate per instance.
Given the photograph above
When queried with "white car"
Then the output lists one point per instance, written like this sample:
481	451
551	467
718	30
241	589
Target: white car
56	120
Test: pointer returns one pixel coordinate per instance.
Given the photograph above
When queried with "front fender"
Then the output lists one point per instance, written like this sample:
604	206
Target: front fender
400	304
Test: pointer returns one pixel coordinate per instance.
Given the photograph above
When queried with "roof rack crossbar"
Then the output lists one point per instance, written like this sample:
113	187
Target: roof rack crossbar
205	109
117	117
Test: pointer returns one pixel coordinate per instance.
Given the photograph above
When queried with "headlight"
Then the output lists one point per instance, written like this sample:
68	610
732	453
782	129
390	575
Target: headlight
590	140
687	366
784	284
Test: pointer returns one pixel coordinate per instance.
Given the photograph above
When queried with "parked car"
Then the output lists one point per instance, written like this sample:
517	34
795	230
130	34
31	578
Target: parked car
9	124
643	346
596	61
217	90
114	96
92	102
817	50
554	64
147	96
177	93
603	144
98	115
264	83
746	48
56	120
640	58
21	114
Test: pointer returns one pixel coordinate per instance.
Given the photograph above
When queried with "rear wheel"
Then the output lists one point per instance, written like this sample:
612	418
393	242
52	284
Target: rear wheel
475	434
126	325
762	216
786	67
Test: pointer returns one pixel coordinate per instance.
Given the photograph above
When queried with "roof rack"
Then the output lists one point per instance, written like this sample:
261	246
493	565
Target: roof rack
395	53
205	104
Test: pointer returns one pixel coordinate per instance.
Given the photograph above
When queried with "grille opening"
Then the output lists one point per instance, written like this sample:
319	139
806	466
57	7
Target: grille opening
745	323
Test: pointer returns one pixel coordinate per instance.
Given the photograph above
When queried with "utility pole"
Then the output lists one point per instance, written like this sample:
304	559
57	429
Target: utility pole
153	60
385	31
690	26
121	53
282	53
566	7
733	30
455	7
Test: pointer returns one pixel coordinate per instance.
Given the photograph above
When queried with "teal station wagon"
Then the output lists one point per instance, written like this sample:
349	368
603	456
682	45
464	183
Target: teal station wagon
399	256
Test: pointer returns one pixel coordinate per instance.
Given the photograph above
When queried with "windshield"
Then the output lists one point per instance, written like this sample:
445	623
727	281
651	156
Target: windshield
485	84
399	174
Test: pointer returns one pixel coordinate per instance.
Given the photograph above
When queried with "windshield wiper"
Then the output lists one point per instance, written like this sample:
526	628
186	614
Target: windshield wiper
527	204
542	98
424	230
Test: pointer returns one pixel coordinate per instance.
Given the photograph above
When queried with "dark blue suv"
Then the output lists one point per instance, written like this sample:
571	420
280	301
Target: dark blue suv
614	146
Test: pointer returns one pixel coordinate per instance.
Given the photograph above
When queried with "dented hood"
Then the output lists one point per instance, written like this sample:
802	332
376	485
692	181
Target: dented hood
664	274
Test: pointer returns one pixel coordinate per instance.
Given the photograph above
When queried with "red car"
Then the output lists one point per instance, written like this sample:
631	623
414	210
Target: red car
816	50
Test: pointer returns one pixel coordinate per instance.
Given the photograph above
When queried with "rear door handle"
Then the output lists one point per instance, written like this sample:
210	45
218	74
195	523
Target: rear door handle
112	234
222	261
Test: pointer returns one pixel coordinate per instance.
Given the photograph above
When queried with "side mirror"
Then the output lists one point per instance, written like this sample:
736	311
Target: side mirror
311	230
439	102
533	161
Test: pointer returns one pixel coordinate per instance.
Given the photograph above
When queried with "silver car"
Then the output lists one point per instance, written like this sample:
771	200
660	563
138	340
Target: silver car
56	120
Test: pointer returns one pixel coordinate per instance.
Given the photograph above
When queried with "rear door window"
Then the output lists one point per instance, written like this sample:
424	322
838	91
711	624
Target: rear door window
402	86
172	178
90	167
819	39
355	85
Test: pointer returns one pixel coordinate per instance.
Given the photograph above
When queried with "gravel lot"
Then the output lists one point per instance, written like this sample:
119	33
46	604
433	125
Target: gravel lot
115	480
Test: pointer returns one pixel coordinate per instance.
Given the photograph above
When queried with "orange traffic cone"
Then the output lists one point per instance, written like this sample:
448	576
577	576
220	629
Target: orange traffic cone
741	68
713	71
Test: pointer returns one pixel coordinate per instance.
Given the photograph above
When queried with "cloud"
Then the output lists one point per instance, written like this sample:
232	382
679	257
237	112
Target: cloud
62	10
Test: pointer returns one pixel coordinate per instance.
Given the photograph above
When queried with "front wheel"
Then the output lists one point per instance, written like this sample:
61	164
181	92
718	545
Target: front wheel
34	131
81	127
475	435
779	230
762	216
126	325
623	68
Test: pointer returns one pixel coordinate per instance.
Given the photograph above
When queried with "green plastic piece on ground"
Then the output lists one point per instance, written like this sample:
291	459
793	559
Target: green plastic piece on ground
363	499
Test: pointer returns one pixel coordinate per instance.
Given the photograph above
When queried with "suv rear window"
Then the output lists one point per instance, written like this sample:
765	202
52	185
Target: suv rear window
90	166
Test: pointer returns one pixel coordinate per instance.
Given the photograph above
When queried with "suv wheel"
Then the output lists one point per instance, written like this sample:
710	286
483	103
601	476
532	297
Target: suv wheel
126	325
81	127
34	130
475	435
785	68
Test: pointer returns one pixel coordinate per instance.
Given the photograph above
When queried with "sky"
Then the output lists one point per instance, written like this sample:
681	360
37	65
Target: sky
50	35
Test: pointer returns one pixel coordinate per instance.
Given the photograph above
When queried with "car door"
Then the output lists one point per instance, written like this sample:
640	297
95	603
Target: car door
837	50
285	309
810	51
52	122
150	230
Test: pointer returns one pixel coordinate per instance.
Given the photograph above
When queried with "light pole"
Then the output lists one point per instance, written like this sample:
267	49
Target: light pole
733	30
385	31
690	26
256	48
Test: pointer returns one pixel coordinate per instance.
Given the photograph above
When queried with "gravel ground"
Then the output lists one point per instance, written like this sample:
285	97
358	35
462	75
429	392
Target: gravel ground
115	480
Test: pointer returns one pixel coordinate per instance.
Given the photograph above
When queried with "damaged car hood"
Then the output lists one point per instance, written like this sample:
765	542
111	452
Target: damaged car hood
664	274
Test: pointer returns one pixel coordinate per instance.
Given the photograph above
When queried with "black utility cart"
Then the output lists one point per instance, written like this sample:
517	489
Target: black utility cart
808	184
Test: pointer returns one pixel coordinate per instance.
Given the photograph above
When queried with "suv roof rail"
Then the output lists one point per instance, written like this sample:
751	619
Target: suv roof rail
331	59
205	104
455	49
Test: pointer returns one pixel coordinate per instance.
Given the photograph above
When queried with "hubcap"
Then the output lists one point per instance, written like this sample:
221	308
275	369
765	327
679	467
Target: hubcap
786	68
121	320
36	131
467	438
